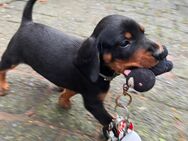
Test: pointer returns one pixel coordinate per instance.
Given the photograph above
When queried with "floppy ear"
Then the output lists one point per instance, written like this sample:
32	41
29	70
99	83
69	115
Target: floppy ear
87	59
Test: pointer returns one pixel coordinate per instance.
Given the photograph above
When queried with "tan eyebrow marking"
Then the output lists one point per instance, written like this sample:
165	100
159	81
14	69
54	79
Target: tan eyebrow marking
142	28
128	35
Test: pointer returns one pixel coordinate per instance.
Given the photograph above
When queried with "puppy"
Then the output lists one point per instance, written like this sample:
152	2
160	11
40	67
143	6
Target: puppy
84	66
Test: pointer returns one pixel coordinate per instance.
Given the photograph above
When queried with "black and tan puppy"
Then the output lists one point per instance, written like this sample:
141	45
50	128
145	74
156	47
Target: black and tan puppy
83	66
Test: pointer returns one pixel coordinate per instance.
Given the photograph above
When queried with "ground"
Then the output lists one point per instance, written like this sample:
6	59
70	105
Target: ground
29	111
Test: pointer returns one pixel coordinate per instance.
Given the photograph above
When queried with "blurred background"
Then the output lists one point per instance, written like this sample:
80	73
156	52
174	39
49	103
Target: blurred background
29	111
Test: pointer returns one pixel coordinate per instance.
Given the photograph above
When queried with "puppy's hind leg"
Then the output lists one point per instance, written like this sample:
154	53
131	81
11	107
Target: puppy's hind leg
8	61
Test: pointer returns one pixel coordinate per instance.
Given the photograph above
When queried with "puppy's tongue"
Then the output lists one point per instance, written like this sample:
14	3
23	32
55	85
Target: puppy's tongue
126	72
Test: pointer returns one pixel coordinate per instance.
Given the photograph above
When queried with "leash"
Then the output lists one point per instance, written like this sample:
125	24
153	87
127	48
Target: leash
120	126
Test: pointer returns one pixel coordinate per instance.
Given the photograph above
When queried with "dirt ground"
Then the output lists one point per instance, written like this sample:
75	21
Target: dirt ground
29	111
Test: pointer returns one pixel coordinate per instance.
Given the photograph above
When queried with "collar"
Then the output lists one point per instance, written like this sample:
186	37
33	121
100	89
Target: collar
108	78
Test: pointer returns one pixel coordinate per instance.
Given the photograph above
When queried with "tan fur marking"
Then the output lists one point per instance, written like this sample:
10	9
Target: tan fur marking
160	47
3	83
142	28
107	57
140	58
4	86
128	35
102	96
64	99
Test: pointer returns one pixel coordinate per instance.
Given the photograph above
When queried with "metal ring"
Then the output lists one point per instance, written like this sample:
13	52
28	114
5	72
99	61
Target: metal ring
130	99
119	104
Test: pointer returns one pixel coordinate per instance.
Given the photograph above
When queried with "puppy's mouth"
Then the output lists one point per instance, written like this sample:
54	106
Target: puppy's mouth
120	66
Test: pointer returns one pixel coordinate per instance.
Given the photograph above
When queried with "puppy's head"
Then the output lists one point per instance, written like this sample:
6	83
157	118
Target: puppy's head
123	45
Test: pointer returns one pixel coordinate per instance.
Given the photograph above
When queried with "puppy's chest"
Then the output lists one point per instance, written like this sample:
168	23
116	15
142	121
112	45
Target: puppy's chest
103	85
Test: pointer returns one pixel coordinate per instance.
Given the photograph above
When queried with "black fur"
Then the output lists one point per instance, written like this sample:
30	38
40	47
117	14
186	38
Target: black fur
71	62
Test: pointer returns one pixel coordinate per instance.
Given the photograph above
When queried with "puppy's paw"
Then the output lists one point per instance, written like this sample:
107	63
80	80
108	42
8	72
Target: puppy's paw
64	103
2	92
5	86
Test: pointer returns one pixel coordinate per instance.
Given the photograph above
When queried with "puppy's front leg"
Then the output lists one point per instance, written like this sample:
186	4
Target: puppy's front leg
95	106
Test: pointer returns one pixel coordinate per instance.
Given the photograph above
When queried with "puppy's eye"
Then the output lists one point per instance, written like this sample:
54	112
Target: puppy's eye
124	44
